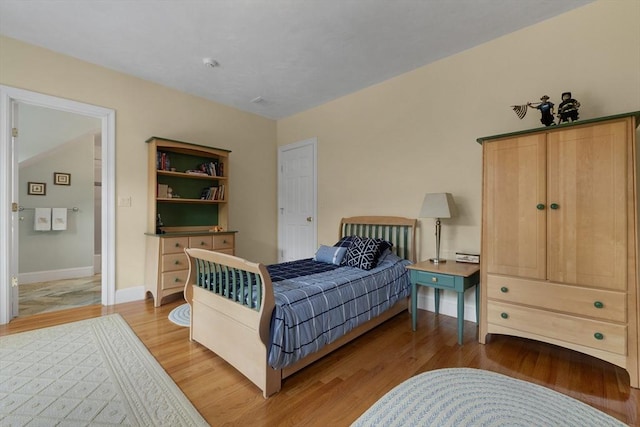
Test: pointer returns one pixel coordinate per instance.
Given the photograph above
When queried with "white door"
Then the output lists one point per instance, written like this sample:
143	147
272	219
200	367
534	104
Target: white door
297	205
9	213
14	246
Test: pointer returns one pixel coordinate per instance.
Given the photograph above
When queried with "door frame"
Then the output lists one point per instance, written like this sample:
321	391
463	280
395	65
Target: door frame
9	95
313	142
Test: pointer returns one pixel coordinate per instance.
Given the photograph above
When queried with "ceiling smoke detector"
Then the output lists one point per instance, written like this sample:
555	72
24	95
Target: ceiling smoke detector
210	62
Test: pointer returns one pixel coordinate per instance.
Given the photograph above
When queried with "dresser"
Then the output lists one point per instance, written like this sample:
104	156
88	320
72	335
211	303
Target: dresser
559	238
167	266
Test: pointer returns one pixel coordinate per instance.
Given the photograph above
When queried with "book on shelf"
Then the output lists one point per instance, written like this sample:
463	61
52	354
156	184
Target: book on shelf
163	191
163	162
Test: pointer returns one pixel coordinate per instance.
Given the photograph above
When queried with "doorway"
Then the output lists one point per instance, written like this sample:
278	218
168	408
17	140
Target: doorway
58	149
10	186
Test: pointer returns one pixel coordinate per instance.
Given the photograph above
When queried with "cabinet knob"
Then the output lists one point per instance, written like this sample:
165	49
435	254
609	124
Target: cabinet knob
177	245
177	279
504	315
598	304
177	262
504	289
540	206
598	336
434	279
202	243
554	206
224	241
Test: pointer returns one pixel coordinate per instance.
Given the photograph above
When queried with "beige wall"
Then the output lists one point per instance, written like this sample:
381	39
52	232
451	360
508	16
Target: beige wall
144	109
381	149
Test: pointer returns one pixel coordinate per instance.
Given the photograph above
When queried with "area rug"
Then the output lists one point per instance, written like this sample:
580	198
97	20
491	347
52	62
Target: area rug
94	372
474	397
181	315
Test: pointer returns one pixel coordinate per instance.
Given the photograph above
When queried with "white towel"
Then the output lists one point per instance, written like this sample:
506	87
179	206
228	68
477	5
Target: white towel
59	218
42	219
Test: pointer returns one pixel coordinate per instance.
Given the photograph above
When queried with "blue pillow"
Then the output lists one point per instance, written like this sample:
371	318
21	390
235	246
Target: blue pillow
330	254
345	242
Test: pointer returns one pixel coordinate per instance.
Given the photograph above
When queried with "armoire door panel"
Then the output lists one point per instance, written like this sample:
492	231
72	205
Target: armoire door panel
514	232
587	232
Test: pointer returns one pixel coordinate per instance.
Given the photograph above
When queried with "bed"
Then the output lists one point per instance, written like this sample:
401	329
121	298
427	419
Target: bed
269	322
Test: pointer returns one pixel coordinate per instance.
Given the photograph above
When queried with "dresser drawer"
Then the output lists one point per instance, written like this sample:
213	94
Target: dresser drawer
596	303
435	280
174	262
174	279
201	242
590	333
223	241
173	245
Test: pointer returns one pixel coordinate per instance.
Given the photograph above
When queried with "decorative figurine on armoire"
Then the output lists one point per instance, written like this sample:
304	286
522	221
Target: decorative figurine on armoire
568	109
546	109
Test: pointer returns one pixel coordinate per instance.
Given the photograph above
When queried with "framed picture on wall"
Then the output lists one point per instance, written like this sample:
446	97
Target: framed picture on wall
37	188
60	178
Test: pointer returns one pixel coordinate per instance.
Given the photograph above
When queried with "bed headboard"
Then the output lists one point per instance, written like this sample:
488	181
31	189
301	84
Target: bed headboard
398	230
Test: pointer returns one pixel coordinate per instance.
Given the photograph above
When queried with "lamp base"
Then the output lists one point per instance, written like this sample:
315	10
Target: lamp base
437	260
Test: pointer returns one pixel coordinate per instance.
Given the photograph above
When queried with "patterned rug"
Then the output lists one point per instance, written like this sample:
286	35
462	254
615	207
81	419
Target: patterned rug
94	372
181	315
473	397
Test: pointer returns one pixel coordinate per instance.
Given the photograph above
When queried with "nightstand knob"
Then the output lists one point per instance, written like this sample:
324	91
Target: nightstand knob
598	304
554	206
598	336
504	315
434	279
177	279
177	262
177	245
202	243
504	289
540	206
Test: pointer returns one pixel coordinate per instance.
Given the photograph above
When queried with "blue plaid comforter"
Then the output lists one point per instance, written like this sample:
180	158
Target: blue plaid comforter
316	309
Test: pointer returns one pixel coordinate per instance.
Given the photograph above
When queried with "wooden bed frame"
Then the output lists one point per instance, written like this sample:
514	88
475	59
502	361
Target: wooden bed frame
239	332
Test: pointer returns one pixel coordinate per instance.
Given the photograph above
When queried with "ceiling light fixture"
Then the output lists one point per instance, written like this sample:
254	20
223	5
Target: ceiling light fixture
210	62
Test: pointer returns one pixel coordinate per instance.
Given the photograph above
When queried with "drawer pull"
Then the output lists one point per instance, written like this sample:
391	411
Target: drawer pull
177	245
504	315
554	206
504	289
434	279
202	243
177	279
598	336
224	241
540	206
598	304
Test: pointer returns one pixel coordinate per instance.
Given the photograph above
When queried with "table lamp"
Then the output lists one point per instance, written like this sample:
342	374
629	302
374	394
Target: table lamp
437	205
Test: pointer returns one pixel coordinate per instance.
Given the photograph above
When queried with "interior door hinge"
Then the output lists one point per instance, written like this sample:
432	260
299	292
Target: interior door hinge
14	207
14	281
14	132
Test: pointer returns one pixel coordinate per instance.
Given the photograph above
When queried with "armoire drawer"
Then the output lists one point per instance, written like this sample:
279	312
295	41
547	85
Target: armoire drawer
223	241
596	303
577	330
173	245
174	279
174	262
201	242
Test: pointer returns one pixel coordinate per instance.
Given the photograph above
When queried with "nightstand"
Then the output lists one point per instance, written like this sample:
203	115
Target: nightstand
451	275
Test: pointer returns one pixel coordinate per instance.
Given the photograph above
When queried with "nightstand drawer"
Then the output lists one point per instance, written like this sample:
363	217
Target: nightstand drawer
201	242
173	245
433	279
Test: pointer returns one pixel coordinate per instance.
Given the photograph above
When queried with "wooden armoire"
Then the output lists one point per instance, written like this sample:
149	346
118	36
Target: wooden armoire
560	240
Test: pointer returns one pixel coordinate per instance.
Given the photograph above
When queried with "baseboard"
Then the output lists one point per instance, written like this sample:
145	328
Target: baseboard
135	293
61	274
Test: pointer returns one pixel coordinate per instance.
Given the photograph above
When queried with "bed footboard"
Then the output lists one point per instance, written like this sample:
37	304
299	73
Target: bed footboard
236	296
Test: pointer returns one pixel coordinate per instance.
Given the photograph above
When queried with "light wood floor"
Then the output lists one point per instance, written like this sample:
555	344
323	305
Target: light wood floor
339	388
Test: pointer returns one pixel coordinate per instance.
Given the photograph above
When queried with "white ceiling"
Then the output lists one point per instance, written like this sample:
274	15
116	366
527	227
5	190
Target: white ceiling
295	54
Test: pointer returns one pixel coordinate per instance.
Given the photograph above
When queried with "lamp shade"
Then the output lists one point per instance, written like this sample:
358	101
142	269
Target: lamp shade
437	205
